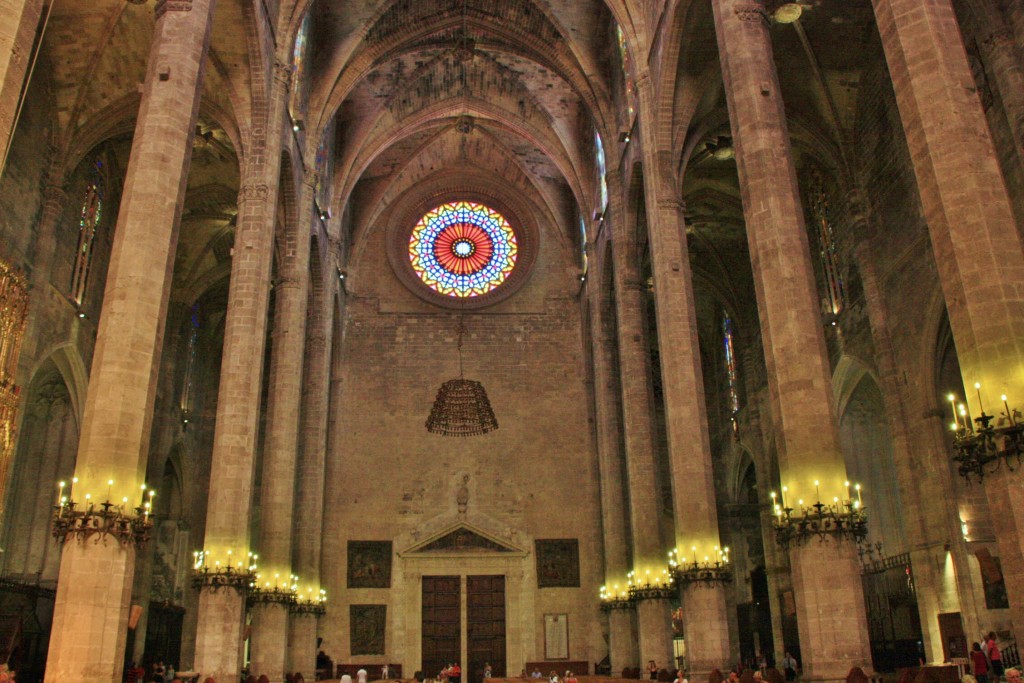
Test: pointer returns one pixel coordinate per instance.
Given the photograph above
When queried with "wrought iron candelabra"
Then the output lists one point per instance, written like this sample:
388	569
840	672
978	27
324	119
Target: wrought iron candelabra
315	605
709	572
103	520
985	448
273	594
214	575
820	520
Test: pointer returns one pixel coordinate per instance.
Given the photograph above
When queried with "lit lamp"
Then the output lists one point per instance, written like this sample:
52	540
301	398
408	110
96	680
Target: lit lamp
983	448
279	591
215	570
840	519
312	603
713	569
614	599
658	586
106	519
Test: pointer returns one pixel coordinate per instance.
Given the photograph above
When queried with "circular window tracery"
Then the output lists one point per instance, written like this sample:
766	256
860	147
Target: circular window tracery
463	249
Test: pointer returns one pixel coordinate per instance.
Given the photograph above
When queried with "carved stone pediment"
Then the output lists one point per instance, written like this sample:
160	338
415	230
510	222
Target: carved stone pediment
462	538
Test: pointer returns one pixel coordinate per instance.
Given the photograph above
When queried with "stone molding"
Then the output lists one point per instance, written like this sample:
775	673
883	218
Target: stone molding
163	6
282	72
677	205
752	13
253	193
54	193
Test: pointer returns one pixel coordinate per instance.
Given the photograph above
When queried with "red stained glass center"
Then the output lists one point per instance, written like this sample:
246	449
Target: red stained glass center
463	249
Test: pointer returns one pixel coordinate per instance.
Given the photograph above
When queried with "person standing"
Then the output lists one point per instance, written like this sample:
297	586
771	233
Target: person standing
979	664
384	673
652	670
790	667
487	670
995	657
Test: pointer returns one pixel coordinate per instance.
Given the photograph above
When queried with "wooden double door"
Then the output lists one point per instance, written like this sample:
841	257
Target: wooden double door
442	626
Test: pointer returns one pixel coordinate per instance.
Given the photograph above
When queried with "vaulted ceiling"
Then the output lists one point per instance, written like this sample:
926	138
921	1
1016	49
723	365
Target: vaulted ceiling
509	89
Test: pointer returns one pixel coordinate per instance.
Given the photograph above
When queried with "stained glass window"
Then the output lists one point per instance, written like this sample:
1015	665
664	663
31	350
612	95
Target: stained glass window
730	367
602	170
463	249
188	385
583	245
835	294
628	79
88	221
299	55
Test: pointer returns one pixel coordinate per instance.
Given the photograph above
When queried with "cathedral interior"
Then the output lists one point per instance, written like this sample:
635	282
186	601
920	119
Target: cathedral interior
536	334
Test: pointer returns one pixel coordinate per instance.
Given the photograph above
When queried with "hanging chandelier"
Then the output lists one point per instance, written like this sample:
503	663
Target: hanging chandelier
461	407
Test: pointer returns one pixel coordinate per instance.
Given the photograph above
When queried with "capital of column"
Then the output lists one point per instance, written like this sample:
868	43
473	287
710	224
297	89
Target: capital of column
752	13
250	193
54	193
310	178
1002	38
677	205
282	72
286	282
163	6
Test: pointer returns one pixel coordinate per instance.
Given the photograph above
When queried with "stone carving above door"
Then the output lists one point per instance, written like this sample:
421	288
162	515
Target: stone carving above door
462	538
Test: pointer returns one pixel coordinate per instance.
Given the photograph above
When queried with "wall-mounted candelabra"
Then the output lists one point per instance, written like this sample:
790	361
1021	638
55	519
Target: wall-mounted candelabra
279	591
651	586
313	603
216	570
981	447
709	571
103	520
840	519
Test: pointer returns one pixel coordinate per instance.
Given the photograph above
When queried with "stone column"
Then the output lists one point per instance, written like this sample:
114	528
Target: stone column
280	453
309	497
87	640
977	248
54	200
654	623
686	419
222	612
922	464
18	22
621	647
826	576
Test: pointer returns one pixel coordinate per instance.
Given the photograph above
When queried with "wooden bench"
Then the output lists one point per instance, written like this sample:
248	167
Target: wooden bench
373	671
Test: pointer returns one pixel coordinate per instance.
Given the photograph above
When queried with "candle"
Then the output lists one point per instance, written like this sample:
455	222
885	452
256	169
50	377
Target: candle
952	406
964	414
817	494
977	386
1009	415
785	489
110	483
859	501
60	492
143	495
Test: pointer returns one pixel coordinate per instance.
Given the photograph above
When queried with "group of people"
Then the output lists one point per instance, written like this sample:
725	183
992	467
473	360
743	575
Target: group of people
159	673
553	677
451	673
987	662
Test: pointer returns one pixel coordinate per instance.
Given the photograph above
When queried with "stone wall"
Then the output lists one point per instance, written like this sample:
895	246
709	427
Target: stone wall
534	478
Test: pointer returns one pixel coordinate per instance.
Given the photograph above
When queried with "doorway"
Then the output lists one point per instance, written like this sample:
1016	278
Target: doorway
442	623
485	626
